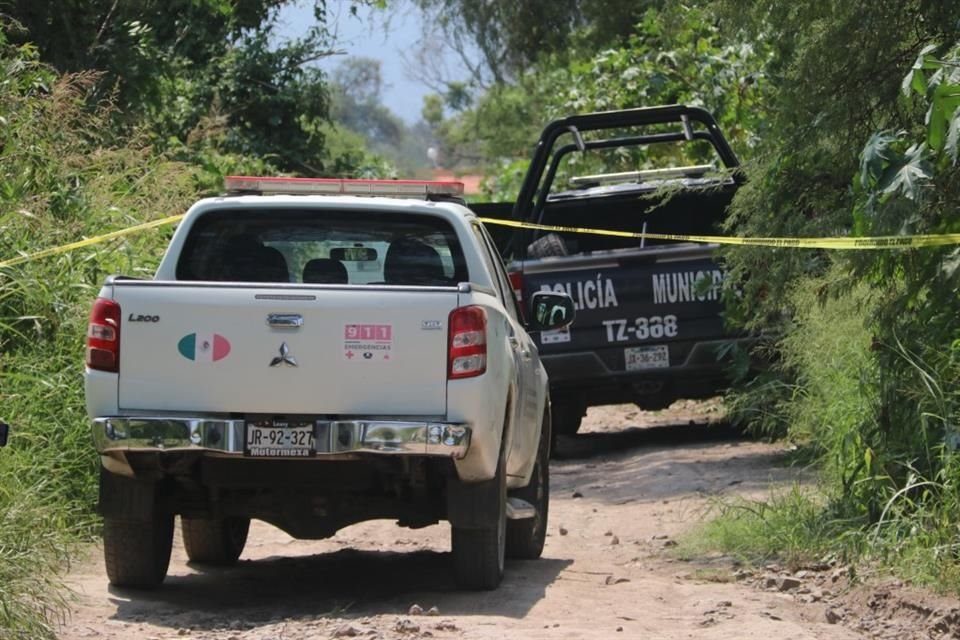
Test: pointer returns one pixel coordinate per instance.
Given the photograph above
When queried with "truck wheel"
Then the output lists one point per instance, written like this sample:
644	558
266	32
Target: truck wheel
478	554
525	538
216	542
567	417
547	246
137	552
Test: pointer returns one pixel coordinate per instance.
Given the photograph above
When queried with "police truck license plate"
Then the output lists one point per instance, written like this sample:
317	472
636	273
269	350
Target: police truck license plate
279	439
654	357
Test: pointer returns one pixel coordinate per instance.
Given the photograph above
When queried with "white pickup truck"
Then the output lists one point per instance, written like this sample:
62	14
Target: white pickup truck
316	353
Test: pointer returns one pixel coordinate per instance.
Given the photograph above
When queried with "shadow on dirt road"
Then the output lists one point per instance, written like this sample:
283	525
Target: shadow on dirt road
663	462
592	443
621	493
619	466
329	585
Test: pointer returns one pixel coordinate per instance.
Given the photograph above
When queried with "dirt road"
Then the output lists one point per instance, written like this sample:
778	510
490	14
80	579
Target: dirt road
620	497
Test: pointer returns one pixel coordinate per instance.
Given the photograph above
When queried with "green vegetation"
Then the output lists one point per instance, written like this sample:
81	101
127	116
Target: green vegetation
846	111
788	527
152	119
33	550
61	179
866	372
847	114
674	55
385	145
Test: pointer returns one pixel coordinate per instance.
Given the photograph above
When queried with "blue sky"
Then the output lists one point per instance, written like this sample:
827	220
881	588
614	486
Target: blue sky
372	34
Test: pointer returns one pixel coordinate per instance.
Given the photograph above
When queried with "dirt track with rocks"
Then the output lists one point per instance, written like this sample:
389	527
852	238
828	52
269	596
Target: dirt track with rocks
622	492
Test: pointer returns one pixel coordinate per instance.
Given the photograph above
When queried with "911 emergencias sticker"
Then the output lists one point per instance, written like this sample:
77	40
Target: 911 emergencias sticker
367	342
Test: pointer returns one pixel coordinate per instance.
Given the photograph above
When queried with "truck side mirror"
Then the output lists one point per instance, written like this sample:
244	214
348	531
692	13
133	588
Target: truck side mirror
4	432
549	311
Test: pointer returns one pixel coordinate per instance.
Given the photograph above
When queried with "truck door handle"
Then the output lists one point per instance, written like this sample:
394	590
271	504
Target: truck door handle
285	320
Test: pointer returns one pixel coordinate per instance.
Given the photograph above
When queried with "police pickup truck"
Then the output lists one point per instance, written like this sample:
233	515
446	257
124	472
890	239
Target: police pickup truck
316	353
649	324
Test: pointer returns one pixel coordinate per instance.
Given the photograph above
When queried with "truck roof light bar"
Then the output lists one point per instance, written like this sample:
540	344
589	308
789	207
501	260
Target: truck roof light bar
333	186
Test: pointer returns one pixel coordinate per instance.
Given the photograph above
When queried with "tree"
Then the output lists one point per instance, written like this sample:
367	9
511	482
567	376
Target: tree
197	74
511	36
676	54
356	90
835	77
132	42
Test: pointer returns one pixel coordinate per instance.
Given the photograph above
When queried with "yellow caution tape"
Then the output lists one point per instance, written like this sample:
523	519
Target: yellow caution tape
86	242
875	242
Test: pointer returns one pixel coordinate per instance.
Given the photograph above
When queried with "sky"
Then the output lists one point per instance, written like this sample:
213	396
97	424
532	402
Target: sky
373	34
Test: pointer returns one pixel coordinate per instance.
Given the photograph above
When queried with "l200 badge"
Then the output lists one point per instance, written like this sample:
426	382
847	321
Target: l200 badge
204	347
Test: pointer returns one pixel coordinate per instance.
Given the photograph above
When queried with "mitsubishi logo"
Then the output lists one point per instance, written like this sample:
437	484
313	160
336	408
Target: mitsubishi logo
284	357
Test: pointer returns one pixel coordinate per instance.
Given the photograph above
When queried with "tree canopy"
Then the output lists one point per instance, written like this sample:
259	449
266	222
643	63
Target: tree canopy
195	74
512	36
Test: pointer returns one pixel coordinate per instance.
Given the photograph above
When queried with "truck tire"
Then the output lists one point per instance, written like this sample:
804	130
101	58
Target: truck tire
567	416
525	538
217	542
547	246
479	553
137	552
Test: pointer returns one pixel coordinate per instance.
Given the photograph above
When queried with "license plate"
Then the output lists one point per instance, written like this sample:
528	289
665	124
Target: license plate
279	439
553	337
655	357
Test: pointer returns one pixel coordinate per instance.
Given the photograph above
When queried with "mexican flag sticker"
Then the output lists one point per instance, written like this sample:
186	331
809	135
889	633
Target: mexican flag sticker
204	347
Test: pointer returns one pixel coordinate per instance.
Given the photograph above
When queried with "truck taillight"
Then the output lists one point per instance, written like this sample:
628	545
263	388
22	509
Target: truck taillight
103	336
467	352
516	282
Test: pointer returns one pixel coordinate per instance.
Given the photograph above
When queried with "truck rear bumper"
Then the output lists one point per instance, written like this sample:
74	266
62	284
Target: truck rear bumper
598	377
607	363
224	436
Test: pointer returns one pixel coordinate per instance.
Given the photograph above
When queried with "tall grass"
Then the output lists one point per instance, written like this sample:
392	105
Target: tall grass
832	400
791	526
34	546
61	178
881	421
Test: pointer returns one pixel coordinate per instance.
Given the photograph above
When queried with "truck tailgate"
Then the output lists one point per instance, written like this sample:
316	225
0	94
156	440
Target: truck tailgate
220	348
636	309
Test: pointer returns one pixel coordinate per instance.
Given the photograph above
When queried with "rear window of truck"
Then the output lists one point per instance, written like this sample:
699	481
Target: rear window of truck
322	247
655	178
673	187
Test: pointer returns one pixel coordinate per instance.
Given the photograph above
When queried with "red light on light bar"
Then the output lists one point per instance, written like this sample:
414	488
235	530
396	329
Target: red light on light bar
333	186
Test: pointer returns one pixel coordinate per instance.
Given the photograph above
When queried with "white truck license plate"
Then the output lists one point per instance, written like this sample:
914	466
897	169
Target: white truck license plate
654	357
279	439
